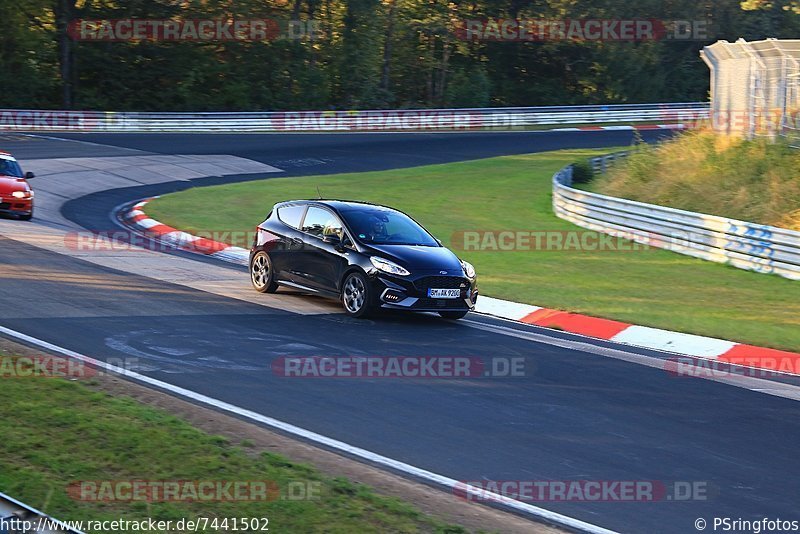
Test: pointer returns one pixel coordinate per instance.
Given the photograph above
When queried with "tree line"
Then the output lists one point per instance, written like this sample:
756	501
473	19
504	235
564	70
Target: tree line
364	54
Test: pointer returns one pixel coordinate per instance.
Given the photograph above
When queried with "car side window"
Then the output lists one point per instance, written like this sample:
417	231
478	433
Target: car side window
320	223
291	215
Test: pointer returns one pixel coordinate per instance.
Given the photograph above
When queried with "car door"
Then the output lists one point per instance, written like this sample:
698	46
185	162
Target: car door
321	264
285	254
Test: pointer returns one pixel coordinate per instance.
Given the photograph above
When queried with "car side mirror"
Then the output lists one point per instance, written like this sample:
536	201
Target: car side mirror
29	175
332	239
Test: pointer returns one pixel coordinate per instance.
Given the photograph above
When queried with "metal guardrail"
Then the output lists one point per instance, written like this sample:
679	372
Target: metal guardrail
600	165
754	247
374	120
19	518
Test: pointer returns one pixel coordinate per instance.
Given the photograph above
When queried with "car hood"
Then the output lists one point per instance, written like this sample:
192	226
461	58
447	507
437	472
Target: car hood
417	259
9	184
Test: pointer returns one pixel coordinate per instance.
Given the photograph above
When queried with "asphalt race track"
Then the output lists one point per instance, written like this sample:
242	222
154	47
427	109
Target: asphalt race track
304	154
577	414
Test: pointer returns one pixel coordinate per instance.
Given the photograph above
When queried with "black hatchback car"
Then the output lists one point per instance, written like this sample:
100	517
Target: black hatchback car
366	255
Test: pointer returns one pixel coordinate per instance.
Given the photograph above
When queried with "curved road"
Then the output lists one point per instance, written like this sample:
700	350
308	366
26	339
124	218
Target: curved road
585	409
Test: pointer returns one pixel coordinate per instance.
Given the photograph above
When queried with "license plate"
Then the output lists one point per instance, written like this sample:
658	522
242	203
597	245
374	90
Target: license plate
444	293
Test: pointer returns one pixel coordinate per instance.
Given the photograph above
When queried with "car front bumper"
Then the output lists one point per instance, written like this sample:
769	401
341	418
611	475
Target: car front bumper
410	293
13	206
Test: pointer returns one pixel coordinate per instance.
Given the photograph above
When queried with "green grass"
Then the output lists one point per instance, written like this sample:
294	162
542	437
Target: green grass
55	432
654	287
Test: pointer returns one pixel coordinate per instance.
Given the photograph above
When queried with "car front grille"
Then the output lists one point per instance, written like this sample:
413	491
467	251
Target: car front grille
441	282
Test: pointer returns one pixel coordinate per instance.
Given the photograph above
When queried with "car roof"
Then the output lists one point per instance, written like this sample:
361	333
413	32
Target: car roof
6	155
336	204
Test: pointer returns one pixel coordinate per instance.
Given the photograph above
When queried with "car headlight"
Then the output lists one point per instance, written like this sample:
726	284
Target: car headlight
22	194
469	270
388	266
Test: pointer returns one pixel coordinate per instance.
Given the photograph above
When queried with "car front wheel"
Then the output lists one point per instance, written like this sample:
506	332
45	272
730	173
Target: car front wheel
356	295
261	274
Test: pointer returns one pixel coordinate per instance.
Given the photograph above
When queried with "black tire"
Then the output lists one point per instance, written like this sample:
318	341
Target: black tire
261	274
455	315
27	217
357	295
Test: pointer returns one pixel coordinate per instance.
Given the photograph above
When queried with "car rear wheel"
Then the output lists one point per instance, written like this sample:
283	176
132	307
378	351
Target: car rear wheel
261	274
453	314
356	295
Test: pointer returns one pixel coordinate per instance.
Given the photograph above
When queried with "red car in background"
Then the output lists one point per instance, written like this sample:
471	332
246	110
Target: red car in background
16	196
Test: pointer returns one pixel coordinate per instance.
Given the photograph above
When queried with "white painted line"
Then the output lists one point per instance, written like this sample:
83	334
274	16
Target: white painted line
737	379
364	454
655	338
233	255
504	308
55	522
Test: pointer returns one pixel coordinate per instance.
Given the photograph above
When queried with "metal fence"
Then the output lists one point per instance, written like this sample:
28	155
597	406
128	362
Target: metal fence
755	247
755	87
333	121
19	518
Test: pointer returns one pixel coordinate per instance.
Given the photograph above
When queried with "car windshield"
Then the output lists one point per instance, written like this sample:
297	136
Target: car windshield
9	167
378	226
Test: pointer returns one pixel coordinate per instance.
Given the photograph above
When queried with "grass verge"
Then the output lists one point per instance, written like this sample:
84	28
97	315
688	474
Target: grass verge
55	432
755	181
653	287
